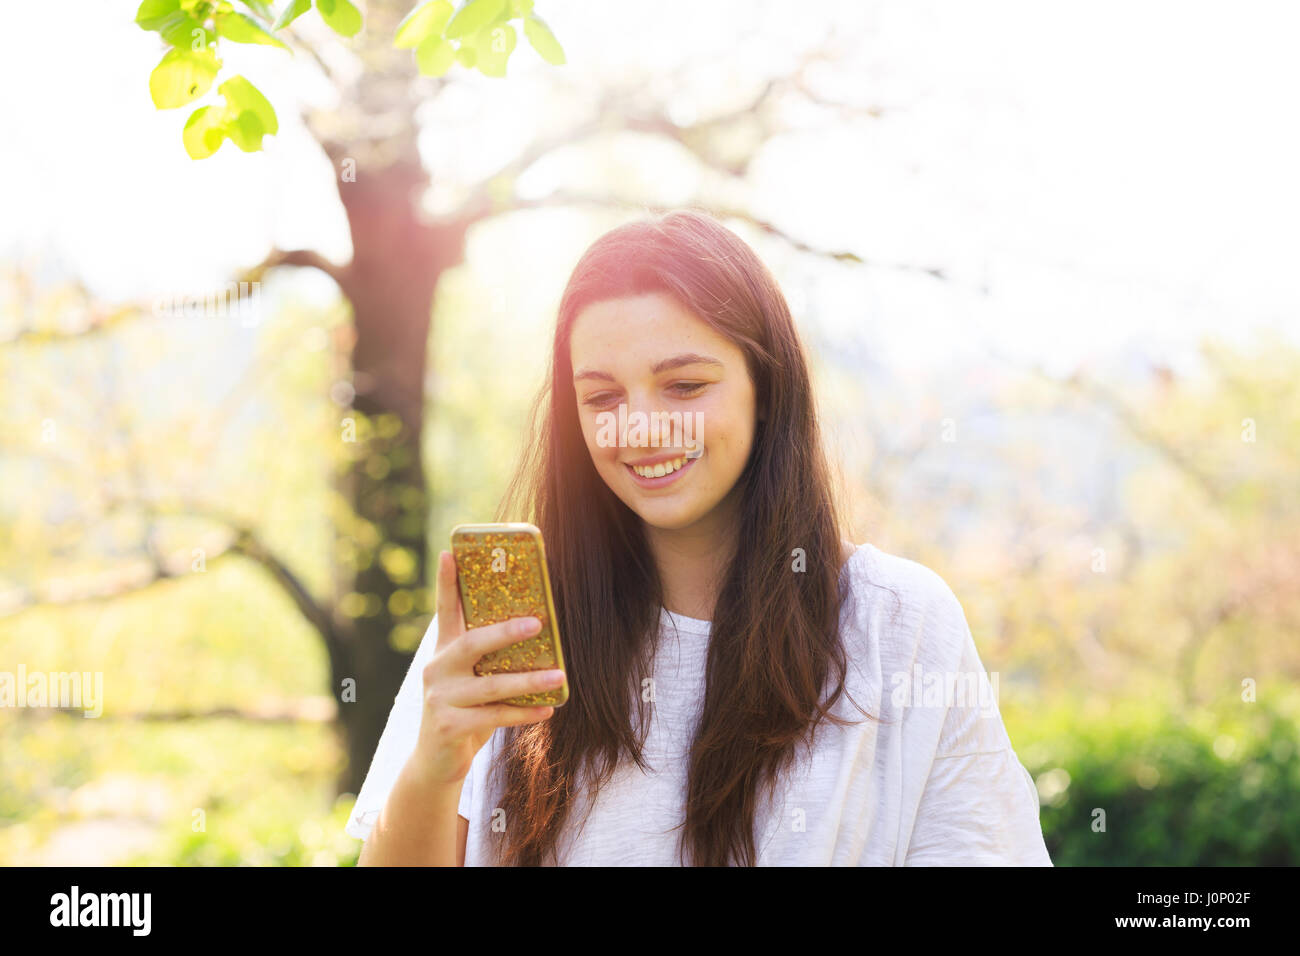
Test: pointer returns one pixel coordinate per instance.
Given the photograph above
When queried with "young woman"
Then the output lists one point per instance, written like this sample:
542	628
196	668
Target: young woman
743	681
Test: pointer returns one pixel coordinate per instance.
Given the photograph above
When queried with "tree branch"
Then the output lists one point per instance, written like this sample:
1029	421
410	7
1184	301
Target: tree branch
565	198
1127	417
249	545
614	104
488	197
308	258
244	541
24	599
99	319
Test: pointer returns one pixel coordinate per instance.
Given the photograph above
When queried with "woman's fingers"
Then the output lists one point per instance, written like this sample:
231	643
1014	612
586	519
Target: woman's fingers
451	622
494	637
476	691
506	715
452	669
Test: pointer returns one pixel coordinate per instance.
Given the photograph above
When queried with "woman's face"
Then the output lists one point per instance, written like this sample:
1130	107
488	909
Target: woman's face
650	355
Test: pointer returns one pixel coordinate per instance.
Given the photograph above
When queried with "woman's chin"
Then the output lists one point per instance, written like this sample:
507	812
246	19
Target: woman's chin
667	519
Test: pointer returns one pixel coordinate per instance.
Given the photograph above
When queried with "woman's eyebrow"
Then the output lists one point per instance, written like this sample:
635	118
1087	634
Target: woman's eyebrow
686	358
677	361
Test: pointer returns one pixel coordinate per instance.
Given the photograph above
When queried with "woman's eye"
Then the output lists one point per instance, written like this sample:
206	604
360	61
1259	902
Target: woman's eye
604	399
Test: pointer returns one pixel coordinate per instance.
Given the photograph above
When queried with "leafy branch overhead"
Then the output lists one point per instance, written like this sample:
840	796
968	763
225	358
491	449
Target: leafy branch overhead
478	35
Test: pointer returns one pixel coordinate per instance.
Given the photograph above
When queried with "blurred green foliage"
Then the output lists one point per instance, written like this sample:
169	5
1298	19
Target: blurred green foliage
1218	789
215	792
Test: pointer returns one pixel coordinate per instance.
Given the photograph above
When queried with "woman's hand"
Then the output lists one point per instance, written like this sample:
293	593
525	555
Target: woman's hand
460	712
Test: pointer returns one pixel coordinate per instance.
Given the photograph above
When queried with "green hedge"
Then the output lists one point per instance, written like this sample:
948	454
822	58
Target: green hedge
1218	789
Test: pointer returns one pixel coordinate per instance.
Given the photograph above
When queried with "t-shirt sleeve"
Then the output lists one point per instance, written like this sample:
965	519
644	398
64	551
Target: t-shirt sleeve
396	743
979	806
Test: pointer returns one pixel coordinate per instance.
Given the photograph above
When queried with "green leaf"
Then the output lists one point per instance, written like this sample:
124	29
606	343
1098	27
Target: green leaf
250	115
202	9
243	95
182	77
494	46
423	22
241	28
543	40
435	56
245	118
474	16
342	17
153	13
186	32
174	21
466	55
290	13
246	132
204	132
520	8
261	8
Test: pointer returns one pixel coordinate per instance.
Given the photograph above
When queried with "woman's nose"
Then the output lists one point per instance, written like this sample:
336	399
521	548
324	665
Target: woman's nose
639	411
649	423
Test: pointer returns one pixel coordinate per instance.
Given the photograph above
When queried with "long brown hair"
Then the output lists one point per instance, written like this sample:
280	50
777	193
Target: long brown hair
774	646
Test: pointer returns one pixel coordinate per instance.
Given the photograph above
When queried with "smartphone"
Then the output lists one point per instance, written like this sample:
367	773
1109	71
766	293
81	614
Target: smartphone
502	573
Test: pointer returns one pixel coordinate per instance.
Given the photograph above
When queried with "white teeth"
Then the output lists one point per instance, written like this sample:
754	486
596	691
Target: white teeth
659	470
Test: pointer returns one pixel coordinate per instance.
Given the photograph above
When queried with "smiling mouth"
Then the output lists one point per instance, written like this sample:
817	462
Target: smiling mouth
663	473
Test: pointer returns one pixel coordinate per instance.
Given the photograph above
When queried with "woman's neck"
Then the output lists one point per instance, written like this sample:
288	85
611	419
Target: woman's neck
692	561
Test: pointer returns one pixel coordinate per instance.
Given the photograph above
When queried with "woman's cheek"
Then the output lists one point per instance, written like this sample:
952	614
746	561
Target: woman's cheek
733	446
591	435
709	420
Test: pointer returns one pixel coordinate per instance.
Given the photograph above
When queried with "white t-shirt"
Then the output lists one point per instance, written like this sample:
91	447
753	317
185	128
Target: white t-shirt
936	782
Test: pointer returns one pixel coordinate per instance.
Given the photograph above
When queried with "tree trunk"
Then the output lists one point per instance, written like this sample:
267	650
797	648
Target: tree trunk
397	260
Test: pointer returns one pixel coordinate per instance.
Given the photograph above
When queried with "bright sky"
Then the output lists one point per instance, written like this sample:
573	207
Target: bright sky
1120	174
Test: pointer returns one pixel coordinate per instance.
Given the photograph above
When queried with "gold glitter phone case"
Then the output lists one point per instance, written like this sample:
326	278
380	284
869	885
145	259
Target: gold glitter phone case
502	574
